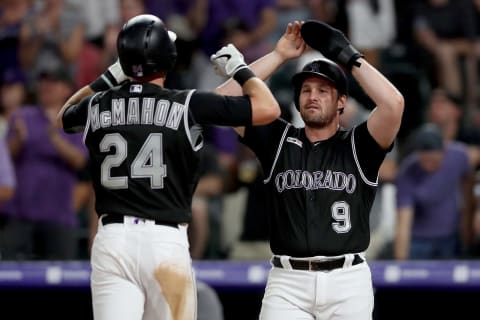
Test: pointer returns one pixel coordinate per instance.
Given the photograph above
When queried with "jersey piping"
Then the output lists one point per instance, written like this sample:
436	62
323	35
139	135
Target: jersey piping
87	125
185	121
357	163
278	153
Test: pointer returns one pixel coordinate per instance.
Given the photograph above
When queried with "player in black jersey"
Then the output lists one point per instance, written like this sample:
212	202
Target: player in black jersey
144	142
321	179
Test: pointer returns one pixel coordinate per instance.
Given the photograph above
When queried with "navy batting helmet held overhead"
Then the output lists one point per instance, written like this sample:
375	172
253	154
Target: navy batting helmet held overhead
145	46
320	68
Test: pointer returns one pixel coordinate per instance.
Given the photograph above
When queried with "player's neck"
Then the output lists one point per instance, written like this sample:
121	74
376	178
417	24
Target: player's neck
158	81
315	134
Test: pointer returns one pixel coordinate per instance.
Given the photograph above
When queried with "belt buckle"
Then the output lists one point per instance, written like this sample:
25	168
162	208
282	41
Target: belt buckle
310	265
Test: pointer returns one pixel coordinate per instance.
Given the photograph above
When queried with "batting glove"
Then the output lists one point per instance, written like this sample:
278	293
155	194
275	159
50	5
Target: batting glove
110	78
228	61
331	42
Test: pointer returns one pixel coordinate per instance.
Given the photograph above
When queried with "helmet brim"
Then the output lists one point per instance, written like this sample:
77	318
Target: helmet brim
298	79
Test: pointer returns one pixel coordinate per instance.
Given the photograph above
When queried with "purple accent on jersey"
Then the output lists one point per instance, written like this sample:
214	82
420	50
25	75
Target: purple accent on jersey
44	179
7	177
435	198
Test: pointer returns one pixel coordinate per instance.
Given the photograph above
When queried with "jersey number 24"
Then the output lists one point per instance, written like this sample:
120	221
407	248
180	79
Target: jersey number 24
148	162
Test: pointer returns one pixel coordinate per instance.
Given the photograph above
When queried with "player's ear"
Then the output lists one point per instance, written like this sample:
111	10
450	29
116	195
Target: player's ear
341	103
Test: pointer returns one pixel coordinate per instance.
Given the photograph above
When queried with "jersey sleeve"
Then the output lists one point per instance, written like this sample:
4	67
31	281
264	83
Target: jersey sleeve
209	108
75	117
369	154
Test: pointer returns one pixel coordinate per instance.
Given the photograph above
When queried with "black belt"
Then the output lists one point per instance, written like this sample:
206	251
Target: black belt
115	218
315	265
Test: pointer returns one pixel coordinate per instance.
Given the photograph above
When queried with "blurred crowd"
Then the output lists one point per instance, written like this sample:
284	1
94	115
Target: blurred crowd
428	201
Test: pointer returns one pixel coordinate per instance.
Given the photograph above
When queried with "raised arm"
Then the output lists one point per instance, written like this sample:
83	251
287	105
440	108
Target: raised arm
110	78
229	62
289	46
384	121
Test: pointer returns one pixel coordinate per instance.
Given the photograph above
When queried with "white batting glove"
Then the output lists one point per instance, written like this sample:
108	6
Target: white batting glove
117	73
228	61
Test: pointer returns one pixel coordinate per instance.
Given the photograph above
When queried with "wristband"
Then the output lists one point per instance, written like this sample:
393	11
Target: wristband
104	82
354	62
242	75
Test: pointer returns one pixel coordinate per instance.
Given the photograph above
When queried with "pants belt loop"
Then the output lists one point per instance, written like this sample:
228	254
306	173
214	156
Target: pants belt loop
348	260
285	261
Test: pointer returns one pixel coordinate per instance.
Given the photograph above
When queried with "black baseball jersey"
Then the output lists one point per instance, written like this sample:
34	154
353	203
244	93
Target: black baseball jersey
144	144
319	194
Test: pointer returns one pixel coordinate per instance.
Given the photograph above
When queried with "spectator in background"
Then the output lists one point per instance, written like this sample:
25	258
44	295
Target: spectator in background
42	221
245	24
332	12
7	181
446	111
430	185
372	27
253	240
52	37
12	14
445	29
206	211
100	18
12	95
7	176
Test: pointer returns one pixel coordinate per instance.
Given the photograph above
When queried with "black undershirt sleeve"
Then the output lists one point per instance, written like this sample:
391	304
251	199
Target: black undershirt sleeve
209	108
75	117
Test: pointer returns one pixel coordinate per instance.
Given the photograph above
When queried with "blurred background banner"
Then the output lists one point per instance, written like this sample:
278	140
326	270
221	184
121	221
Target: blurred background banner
243	275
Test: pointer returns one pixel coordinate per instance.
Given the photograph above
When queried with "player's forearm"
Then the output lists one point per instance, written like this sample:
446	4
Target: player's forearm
74	99
265	107
379	88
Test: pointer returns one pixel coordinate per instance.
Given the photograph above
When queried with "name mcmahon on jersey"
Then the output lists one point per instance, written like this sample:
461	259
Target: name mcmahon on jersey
161	113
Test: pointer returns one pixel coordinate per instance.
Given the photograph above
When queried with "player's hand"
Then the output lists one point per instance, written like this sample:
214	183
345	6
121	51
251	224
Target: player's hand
291	45
331	42
228	61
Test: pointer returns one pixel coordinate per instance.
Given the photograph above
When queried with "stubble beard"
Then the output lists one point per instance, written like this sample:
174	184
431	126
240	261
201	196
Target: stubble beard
318	120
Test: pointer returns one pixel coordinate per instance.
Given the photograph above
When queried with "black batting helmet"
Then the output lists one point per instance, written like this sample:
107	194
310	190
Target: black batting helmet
320	68
145	46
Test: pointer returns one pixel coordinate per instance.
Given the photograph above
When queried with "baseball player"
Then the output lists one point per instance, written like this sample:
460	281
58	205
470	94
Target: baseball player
321	179
144	143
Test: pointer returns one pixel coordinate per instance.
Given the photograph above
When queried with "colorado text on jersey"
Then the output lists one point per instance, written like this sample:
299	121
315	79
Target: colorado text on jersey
333	180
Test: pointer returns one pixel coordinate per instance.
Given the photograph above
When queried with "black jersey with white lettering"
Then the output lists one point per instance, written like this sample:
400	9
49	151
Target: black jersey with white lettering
144	142
319	194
